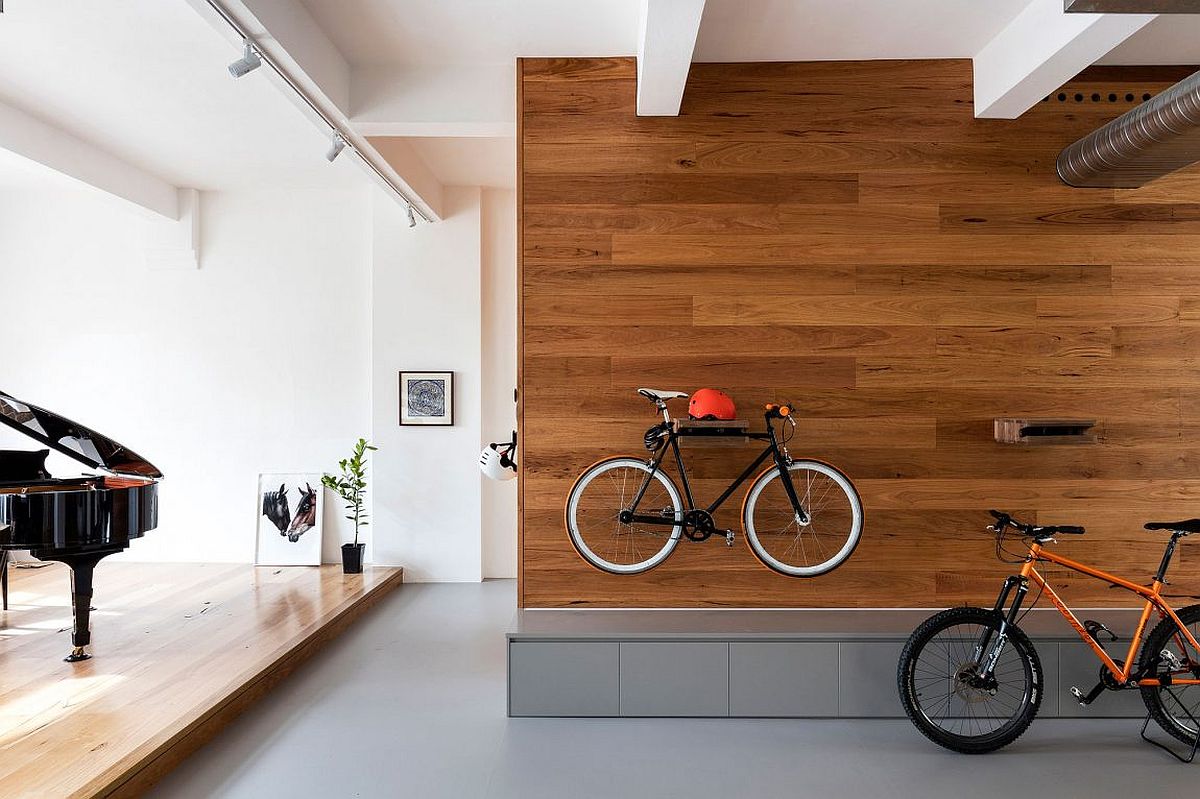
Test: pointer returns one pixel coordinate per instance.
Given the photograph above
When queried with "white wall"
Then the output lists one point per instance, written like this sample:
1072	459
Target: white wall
426	317
499	317
257	361
275	355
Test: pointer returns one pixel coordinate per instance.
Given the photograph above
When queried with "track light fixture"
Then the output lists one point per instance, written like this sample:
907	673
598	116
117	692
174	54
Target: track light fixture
253	58
249	61
336	145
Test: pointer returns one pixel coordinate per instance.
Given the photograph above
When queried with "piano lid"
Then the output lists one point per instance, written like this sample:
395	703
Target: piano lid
73	439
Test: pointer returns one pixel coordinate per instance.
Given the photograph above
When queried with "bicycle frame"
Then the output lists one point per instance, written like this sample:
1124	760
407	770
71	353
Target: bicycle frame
1123	675
772	450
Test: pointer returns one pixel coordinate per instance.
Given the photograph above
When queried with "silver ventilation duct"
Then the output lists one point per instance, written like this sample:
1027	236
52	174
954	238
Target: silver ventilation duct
1158	137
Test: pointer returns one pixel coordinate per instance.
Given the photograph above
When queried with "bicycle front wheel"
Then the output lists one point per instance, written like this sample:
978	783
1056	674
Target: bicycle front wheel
945	694
790	544
593	514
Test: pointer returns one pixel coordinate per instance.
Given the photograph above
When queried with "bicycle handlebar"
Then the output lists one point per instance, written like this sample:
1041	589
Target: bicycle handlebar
778	411
1004	520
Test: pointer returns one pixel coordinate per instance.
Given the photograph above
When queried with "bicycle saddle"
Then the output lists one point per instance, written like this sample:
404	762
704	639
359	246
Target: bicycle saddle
1186	526
658	395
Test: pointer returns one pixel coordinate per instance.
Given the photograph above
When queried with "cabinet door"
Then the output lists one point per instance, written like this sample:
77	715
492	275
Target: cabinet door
785	679
563	678
675	679
868	679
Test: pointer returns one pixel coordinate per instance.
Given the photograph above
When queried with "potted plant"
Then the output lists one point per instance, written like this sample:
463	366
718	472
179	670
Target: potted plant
351	486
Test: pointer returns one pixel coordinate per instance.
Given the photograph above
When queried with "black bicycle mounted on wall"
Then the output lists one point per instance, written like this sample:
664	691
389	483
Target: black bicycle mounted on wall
801	518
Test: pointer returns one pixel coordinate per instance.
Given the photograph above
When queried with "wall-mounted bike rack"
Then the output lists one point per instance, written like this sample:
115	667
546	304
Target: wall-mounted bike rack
718	433
1044	432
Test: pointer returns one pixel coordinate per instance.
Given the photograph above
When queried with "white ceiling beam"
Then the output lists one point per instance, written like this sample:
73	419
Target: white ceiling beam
286	32
56	149
175	243
402	157
462	100
666	38
1040	50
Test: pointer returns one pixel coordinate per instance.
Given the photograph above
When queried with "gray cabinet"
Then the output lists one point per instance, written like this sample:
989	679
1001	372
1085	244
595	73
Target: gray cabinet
674	679
867	687
563	678
748	664
783	679
1080	667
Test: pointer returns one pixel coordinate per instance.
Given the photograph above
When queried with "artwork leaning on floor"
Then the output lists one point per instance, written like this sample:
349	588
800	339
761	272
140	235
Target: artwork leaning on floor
290	508
427	398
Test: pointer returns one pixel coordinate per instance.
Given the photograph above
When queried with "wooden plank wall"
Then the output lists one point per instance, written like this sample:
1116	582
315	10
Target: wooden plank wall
848	237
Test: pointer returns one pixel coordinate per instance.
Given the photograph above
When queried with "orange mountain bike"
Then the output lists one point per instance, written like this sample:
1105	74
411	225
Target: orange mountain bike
971	681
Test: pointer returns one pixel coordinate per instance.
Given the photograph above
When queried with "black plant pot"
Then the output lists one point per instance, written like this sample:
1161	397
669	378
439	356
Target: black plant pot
352	558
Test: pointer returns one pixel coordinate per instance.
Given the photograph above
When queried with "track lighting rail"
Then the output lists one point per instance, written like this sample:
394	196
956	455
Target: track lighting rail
337	133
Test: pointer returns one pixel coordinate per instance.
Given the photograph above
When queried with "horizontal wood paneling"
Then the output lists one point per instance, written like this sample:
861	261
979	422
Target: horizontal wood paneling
848	238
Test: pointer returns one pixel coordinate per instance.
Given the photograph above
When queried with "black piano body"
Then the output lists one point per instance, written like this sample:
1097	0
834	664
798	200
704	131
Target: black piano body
77	521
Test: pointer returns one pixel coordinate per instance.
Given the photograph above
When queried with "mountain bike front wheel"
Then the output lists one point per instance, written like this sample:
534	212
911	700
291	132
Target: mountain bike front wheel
945	693
805	545
593	512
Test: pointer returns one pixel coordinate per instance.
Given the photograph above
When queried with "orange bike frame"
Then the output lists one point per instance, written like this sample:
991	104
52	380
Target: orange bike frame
1154	601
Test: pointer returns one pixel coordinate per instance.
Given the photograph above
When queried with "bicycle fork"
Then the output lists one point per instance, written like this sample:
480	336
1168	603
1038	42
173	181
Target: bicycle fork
782	462
986	657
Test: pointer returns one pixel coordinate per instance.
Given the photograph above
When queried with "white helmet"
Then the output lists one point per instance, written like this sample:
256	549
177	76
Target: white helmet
497	461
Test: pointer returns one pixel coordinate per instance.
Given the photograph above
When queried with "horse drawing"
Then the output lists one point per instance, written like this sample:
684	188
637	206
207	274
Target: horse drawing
306	514
275	508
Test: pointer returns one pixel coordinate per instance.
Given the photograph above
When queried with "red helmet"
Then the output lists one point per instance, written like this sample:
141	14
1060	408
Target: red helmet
711	403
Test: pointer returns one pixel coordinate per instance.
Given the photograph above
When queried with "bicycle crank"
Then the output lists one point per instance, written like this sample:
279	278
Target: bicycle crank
698	525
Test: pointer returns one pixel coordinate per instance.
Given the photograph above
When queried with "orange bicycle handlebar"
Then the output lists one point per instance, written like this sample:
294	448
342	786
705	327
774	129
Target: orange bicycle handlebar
782	411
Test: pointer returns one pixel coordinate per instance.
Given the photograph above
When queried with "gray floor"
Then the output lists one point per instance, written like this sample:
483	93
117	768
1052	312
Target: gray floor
410	702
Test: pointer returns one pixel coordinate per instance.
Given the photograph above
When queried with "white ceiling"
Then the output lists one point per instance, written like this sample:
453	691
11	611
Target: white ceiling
146	79
828	30
461	161
429	32
374	32
1170	39
164	101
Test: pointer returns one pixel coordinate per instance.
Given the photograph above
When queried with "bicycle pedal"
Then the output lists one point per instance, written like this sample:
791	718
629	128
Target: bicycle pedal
1086	699
729	538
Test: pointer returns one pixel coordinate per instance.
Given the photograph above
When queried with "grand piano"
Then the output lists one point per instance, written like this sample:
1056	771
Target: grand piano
75	520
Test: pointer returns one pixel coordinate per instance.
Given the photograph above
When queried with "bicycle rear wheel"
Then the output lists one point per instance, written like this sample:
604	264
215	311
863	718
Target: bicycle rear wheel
803	548
1174	708
594	506
944	694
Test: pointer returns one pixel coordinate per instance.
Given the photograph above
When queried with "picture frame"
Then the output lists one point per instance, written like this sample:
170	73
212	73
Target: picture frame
427	399
291	507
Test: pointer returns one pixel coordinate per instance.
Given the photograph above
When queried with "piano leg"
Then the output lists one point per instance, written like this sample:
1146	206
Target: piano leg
82	566
4	577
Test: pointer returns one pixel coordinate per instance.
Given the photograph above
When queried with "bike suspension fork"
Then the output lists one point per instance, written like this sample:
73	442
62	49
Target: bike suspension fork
990	656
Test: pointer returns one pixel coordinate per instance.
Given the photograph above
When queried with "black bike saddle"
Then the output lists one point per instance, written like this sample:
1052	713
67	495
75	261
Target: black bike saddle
1186	526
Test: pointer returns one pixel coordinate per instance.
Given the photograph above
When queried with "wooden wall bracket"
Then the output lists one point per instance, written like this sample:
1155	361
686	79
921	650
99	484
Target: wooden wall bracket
1044	432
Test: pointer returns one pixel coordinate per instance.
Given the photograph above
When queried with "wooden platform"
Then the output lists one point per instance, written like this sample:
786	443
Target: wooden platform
179	651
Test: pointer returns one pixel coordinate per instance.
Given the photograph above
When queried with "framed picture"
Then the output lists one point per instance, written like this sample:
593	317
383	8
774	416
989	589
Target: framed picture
427	398
290	509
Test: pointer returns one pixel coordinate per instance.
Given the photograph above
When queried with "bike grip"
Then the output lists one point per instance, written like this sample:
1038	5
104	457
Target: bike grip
784	410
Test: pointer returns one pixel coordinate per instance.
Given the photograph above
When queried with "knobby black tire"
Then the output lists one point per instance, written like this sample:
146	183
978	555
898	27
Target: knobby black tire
969	744
1157	701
